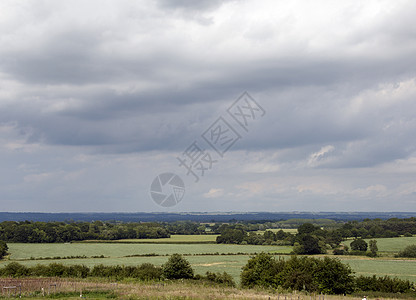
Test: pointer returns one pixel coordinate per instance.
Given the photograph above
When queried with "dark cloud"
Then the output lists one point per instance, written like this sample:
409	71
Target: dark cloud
133	79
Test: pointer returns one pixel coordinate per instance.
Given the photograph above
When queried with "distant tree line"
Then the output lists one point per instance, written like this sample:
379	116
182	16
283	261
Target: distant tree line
231	233
378	228
238	234
312	239
51	232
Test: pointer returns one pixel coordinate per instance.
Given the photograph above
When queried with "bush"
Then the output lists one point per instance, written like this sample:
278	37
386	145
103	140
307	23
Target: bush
14	269
383	284
340	252
298	273
148	271
221	278
177	267
409	251
145	271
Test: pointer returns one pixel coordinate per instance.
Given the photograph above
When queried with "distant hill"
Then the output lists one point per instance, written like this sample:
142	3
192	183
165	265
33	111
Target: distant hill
199	216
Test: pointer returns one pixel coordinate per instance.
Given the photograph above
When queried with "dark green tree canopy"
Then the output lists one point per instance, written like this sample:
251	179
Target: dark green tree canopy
307	228
359	245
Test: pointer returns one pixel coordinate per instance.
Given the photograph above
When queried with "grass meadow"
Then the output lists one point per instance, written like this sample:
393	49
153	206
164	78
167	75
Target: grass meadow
203	257
20	251
70	288
173	239
391	245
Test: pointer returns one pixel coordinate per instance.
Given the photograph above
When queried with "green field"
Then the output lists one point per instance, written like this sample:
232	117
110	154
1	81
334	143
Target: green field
404	269
116	253
208	238
390	245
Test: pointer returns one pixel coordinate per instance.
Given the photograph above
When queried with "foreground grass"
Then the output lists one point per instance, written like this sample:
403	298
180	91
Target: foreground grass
90	289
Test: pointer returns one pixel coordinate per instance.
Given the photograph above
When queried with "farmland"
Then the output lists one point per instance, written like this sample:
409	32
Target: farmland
391	245
203	257
118	250
174	239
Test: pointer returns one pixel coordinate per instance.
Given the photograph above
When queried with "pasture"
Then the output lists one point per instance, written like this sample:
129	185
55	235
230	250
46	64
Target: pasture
173	239
390	245
20	251
203	257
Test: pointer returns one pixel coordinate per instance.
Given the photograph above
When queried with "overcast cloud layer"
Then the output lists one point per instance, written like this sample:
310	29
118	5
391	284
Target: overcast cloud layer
99	97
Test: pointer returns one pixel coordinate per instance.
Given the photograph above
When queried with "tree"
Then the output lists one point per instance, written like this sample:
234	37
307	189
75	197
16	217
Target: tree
308	244
359	245
3	249
306	228
269	235
373	247
177	267
231	236
261	270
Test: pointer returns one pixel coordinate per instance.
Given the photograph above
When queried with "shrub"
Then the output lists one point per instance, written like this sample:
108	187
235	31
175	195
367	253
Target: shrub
409	251
221	278
340	252
148	271
79	271
298	273
14	269
177	267
383	284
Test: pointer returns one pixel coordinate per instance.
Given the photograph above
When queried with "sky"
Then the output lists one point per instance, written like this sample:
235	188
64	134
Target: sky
98	98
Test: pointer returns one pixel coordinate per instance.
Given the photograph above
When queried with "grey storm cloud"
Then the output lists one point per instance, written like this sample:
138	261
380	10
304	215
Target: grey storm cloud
132	78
